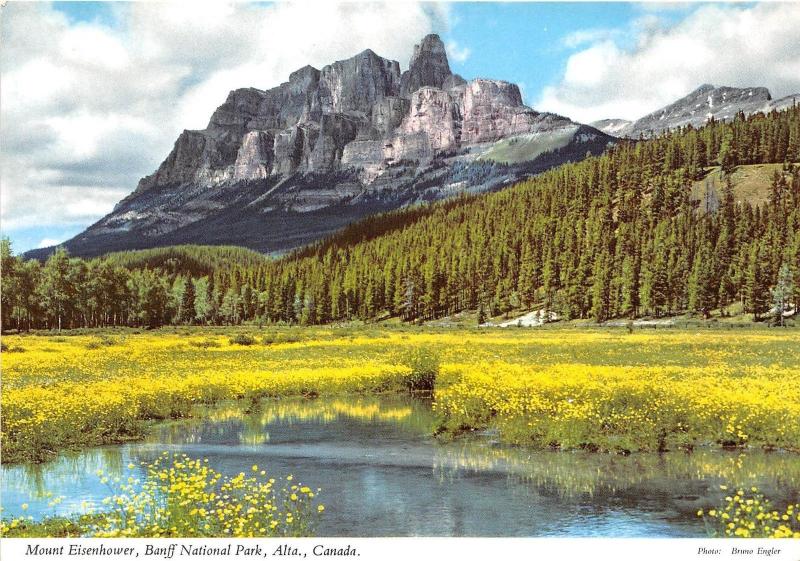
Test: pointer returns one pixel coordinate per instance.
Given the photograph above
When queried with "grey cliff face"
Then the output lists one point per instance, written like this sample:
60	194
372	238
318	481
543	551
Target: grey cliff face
356	137
387	114
357	83
494	110
336	130
254	158
429	128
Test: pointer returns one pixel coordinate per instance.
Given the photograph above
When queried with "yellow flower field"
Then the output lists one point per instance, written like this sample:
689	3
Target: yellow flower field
627	408
593	389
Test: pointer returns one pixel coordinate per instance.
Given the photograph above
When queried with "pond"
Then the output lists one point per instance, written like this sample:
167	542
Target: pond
383	474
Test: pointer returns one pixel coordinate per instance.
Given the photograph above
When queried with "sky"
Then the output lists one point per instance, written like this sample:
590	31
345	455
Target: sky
94	94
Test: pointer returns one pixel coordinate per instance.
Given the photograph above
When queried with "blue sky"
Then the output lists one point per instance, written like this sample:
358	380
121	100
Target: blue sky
522	43
97	92
87	11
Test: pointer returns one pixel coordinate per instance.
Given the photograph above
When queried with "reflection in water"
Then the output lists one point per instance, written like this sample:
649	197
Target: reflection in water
383	474
576	473
229	421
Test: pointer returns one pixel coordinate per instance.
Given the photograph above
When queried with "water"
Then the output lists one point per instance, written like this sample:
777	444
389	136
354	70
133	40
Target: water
382	474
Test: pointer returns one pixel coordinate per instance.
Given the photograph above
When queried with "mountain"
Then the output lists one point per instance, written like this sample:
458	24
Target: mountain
707	101
611	126
641	230
276	169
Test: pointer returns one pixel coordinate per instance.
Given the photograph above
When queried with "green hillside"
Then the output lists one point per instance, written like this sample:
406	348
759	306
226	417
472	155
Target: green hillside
526	147
620	235
191	260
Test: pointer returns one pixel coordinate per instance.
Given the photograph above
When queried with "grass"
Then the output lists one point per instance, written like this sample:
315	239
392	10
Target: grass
570	388
750	183
527	147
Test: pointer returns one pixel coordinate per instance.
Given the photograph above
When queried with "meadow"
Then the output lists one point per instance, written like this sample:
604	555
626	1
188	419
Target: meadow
599	390
605	390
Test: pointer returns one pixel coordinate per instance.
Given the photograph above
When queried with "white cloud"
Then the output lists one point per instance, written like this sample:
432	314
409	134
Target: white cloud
720	44
48	242
58	205
86	109
456	52
92	46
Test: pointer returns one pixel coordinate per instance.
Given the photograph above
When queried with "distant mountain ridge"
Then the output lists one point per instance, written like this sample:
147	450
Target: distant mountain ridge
707	101
275	169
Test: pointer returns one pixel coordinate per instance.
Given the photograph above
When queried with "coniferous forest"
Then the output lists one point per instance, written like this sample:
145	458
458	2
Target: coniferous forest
614	236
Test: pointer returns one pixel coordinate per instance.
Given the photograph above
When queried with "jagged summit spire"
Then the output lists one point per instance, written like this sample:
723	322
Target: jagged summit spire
428	66
430	46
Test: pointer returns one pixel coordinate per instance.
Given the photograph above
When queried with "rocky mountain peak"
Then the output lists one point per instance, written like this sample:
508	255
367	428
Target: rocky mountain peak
710	95
707	101
430	49
280	167
428	66
303	75
703	88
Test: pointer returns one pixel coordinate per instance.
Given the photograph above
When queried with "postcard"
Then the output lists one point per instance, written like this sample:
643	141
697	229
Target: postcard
400	280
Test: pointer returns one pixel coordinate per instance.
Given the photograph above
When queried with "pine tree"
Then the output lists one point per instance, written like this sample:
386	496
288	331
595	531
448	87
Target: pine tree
757	293
728	158
703	289
601	288
187	306
630	287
